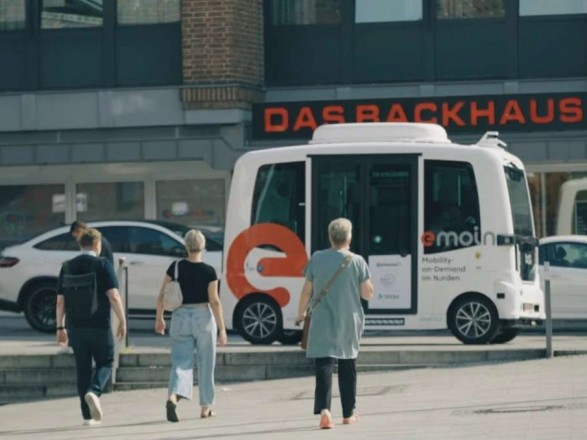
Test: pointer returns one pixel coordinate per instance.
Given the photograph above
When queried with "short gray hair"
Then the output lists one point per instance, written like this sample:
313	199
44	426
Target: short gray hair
340	231
195	241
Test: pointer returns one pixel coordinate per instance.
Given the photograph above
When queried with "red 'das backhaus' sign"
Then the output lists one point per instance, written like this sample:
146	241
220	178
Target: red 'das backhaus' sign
458	114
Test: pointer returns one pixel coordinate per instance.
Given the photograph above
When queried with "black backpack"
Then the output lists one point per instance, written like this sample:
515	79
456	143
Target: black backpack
80	293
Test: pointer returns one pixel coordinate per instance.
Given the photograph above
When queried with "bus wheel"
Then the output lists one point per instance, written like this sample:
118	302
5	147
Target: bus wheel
505	335
259	320
290	337
473	320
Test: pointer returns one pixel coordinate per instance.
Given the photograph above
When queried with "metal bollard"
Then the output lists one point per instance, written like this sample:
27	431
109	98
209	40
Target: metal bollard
123	269
548	310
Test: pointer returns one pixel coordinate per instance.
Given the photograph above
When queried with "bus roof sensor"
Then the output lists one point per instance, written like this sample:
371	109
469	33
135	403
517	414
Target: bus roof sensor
491	139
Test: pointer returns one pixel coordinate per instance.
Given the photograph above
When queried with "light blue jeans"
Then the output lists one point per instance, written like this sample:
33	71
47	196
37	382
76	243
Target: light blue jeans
193	327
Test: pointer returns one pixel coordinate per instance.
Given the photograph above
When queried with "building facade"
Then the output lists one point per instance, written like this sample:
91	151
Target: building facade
139	108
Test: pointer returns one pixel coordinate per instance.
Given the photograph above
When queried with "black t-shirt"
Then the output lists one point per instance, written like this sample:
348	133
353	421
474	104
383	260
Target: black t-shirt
105	280
194	279
107	250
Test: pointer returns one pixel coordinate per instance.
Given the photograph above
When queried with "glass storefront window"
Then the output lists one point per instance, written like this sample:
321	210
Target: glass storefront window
373	11
550	7
461	9
131	12
305	12
110	201
12	15
27	210
194	203
60	14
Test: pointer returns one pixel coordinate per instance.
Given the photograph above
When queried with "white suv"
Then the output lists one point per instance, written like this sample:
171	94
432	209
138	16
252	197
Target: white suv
28	271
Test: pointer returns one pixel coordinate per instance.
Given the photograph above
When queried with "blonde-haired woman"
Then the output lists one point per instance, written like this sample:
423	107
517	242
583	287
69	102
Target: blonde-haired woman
193	325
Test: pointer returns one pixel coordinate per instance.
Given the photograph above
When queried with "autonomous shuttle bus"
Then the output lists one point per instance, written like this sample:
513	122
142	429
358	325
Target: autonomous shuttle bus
446	229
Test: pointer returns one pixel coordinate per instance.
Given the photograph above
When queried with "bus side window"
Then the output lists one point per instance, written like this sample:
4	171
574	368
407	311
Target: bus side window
279	196
451	203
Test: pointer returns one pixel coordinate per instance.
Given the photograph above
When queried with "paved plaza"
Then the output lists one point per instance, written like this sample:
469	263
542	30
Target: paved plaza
542	399
534	399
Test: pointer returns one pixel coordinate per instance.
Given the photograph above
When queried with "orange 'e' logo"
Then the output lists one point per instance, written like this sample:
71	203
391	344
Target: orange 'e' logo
265	234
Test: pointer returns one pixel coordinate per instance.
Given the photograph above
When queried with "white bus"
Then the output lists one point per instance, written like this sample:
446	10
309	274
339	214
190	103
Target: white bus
446	229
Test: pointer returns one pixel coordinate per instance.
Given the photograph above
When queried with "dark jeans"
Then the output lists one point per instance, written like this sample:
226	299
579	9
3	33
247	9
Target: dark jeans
90	344
347	384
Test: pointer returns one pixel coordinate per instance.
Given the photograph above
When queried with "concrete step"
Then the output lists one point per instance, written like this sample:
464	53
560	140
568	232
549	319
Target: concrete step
223	373
368	355
12	393
163	359
36	361
130	377
435	357
37	376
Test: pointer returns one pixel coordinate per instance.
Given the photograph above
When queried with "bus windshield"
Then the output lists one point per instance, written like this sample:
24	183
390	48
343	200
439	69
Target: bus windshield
519	201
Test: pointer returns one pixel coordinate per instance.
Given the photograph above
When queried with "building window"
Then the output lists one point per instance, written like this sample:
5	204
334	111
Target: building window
195	203
305	12
12	15
549	7
60	14
459	9
110	201
132	12
373	11
26	210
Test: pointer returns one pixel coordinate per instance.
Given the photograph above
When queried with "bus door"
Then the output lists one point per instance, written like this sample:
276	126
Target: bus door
379	195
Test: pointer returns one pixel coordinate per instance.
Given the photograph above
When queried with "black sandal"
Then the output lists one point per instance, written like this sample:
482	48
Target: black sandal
207	414
171	414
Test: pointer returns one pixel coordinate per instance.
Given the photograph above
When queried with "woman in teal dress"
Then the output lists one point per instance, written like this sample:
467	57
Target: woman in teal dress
337	320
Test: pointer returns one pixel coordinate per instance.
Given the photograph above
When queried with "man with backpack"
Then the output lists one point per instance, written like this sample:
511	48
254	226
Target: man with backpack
87	290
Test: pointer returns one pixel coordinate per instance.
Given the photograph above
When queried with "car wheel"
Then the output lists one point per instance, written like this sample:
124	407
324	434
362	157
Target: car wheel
259	320
39	306
290	337
473	320
505	335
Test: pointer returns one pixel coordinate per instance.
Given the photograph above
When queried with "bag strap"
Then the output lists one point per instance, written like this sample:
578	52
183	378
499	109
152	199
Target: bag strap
312	305
176	271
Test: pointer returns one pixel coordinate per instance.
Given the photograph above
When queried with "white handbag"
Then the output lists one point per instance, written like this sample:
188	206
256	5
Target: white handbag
172	296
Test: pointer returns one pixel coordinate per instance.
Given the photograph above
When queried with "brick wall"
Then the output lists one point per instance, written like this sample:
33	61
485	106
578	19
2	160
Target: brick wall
222	52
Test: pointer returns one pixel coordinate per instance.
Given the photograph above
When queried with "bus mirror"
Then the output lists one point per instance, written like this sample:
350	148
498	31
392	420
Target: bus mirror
505	240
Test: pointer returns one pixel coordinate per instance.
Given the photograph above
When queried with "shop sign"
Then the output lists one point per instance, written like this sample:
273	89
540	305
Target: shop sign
458	114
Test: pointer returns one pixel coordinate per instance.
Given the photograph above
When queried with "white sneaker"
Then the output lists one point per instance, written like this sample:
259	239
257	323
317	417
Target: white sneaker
94	403
91	422
65	350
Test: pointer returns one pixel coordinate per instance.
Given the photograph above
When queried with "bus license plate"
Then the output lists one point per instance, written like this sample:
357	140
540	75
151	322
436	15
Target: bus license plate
527	307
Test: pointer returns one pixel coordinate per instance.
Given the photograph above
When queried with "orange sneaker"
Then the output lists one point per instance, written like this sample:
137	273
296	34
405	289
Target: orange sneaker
350	420
326	421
